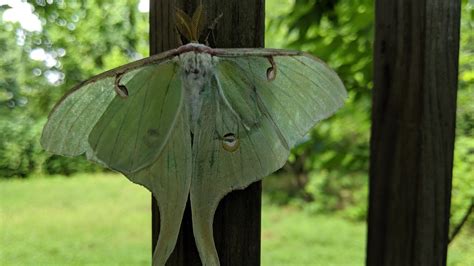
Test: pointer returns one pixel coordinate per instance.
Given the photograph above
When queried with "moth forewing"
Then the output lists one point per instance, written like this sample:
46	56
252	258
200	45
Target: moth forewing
238	90
226	103
132	133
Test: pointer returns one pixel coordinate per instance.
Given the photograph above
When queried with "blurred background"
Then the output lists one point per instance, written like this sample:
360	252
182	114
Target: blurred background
56	210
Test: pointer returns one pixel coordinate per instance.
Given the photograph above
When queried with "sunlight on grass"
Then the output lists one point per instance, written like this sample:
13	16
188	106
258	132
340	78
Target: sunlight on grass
104	219
292	237
73	221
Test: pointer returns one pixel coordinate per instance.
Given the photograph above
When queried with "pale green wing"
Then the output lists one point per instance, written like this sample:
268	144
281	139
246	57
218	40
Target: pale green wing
238	92
132	132
266	116
71	121
304	91
169	178
78	123
216	171
74	116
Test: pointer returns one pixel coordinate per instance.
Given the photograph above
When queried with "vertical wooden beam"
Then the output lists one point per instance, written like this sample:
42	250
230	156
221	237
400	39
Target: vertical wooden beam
413	122
237	220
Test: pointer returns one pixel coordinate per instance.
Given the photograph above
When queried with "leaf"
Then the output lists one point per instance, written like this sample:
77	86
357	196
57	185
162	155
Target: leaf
184	25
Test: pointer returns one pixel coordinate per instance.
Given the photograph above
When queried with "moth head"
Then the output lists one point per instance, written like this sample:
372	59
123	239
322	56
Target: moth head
230	142
191	27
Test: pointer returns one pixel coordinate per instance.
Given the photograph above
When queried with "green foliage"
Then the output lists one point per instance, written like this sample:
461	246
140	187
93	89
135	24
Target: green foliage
84	38
339	32
336	154
331	166
20	153
60	165
9	66
78	40
462	195
23	155
329	170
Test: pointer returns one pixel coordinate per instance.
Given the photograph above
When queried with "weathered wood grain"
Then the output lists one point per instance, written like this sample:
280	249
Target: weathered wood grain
413	122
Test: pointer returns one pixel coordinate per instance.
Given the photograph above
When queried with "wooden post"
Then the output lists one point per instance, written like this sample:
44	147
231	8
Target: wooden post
237	219
413	122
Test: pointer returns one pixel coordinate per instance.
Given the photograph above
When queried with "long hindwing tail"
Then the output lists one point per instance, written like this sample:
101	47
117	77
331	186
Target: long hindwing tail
228	156
169	179
132	132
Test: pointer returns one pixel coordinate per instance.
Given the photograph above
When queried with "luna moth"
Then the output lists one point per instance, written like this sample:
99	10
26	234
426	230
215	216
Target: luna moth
195	122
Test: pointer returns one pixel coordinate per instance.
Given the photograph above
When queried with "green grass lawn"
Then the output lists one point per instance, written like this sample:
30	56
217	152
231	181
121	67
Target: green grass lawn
103	219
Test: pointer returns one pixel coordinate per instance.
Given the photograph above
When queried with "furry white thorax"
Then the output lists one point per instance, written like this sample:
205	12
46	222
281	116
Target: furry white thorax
197	71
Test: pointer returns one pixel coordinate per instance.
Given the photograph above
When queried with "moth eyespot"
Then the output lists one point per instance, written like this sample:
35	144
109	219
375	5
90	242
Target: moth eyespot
153	132
230	142
151	137
120	89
